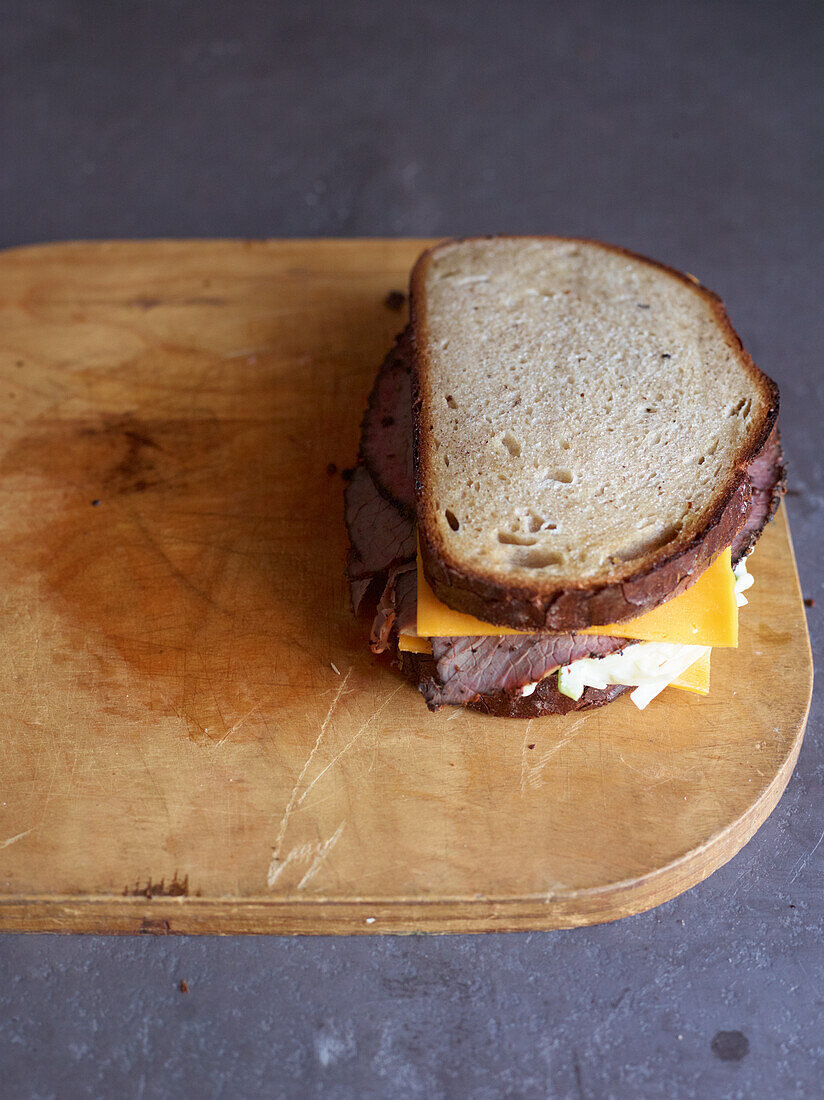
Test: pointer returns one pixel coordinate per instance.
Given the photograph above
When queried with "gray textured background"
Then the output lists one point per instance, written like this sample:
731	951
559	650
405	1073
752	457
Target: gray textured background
690	132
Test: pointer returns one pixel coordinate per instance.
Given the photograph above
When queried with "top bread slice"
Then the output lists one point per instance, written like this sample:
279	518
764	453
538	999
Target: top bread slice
583	421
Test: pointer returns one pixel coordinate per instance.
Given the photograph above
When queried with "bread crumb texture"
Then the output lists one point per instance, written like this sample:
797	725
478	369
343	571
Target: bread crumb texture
581	407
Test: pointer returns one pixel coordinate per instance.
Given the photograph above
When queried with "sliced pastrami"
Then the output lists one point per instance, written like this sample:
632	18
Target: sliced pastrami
379	535
386	432
546	699
768	480
397	608
470	667
357	590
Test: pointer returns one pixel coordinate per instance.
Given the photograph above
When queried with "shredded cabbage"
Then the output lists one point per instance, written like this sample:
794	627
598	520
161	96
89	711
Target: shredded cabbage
649	667
743	581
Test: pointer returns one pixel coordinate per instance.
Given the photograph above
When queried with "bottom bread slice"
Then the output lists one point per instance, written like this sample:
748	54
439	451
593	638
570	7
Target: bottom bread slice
544	700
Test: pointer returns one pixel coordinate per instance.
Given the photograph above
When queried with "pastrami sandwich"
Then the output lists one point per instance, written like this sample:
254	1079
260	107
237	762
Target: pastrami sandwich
566	458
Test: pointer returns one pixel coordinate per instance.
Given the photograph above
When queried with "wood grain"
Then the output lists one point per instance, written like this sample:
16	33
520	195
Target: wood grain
178	751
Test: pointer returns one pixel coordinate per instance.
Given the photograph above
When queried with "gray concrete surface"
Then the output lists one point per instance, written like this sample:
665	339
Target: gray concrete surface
691	132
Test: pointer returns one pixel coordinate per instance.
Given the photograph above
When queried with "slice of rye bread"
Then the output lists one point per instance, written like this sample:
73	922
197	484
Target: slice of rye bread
583	421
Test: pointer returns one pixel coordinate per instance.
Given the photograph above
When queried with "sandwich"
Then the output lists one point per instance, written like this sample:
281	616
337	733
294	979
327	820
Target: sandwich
566	458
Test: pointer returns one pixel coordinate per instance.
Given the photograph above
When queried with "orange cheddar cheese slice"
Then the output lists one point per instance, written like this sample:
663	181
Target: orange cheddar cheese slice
697	676
706	614
411	643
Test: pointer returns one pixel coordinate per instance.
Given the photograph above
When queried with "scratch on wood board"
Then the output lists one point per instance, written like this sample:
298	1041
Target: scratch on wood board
323	851
349	745
290	805
13	839
313	853
652	778
600	734
242	353
238	724
525	765
532	770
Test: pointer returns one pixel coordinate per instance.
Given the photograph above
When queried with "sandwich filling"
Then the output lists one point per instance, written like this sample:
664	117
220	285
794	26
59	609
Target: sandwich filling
648	666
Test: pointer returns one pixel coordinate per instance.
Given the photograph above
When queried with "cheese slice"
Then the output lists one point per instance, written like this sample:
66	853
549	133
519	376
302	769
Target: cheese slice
411	643
696	678
706	614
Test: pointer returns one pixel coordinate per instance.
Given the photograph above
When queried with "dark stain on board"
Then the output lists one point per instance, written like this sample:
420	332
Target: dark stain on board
150	927
146	302
176	888
178	585
395	300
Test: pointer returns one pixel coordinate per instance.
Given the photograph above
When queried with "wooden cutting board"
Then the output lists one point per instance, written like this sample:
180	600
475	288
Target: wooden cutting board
194	736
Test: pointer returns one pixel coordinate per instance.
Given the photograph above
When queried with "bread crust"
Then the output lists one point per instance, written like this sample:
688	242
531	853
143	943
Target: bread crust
622	595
